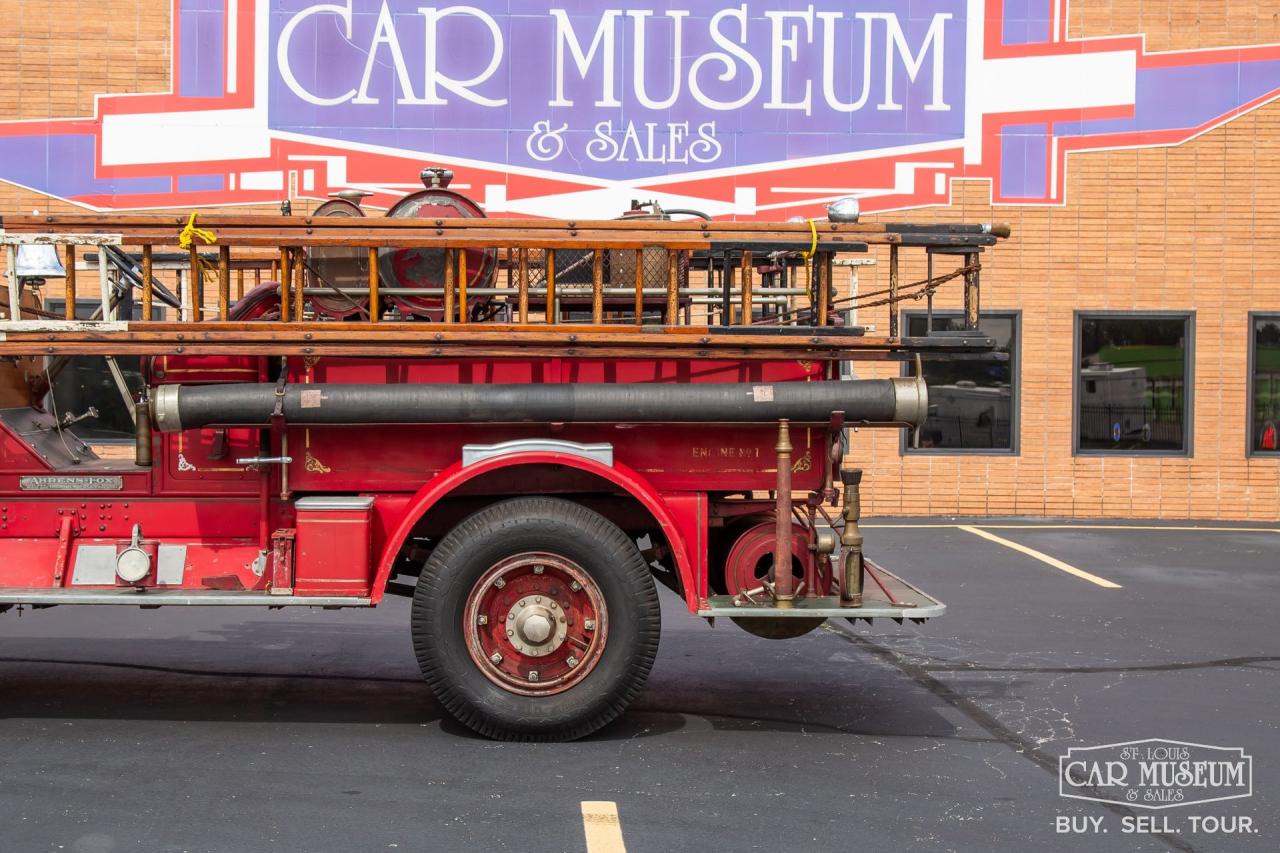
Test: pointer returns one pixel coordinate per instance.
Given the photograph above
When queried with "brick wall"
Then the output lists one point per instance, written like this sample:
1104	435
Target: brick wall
1186	228
1193	227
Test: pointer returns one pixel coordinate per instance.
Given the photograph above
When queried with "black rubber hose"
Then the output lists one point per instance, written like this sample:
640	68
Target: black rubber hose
865	400
685	211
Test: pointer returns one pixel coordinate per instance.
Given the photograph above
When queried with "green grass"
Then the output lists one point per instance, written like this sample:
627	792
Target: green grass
1267	360
1160	362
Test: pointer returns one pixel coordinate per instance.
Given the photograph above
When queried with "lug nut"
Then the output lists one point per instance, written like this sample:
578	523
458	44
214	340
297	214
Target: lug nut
533	675
499	583
589	624
537	570
575	586
572	661
482	620
496	657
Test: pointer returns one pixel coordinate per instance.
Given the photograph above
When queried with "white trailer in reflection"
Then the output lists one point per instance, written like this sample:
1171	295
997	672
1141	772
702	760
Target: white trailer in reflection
968	415
1113	403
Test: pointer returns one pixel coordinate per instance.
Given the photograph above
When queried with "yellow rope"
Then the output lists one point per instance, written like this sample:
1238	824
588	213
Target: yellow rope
813	247
191	233
186	240
808	270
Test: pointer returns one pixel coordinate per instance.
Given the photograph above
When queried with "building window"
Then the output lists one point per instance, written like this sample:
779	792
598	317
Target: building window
1133	383
1264	384
973	404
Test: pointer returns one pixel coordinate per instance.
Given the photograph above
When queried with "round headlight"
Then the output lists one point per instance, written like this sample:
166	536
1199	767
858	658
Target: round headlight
132	565
844	210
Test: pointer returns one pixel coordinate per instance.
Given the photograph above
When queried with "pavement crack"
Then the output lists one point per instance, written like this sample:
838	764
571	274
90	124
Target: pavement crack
1021	745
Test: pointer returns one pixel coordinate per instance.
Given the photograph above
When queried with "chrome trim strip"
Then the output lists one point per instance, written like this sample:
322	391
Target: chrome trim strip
164	408
473	453
320	503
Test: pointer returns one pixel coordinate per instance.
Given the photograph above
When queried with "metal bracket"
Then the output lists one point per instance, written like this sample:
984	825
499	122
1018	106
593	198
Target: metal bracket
278	412
264	460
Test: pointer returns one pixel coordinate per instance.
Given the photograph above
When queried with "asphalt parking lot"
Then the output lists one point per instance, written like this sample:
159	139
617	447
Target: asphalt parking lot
227	730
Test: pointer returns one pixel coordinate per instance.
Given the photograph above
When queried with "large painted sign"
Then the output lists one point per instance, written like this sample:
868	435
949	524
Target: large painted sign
766	108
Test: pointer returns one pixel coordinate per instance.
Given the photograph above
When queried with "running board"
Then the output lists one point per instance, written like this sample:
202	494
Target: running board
162	598
907	602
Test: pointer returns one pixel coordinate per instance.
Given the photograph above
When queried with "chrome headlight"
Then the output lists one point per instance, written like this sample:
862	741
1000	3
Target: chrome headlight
846	209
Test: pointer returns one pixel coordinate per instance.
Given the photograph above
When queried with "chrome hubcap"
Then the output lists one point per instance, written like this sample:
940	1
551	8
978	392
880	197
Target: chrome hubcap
536	626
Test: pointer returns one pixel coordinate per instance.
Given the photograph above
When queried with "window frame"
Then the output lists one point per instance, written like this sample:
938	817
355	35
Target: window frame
1015	402
1249	452
1189	383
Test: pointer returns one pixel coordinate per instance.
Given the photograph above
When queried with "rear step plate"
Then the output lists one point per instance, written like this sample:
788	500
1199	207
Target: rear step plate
907	602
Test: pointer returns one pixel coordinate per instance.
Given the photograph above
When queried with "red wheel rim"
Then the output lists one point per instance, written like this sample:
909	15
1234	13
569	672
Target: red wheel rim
536	624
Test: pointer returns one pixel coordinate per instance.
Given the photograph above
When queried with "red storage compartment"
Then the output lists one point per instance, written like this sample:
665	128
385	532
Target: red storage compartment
332	555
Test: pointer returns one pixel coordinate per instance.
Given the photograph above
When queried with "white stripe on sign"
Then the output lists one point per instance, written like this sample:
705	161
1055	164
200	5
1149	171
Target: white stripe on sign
600	823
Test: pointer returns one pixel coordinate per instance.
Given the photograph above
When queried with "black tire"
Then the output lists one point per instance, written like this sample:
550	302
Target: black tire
514	527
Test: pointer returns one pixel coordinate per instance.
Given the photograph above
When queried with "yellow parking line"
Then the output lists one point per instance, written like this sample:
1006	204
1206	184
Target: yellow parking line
600	823
1041	556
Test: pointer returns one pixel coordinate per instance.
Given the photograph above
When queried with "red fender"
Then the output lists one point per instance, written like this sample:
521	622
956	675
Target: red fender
455	475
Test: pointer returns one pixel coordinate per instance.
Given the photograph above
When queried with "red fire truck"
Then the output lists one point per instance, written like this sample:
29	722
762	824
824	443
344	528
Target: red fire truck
523	425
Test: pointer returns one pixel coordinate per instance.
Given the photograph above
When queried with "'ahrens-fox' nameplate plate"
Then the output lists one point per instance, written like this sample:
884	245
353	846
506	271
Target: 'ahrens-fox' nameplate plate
71	484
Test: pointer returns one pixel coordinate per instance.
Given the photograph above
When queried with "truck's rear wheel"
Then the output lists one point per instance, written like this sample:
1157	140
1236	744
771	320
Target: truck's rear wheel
535	619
